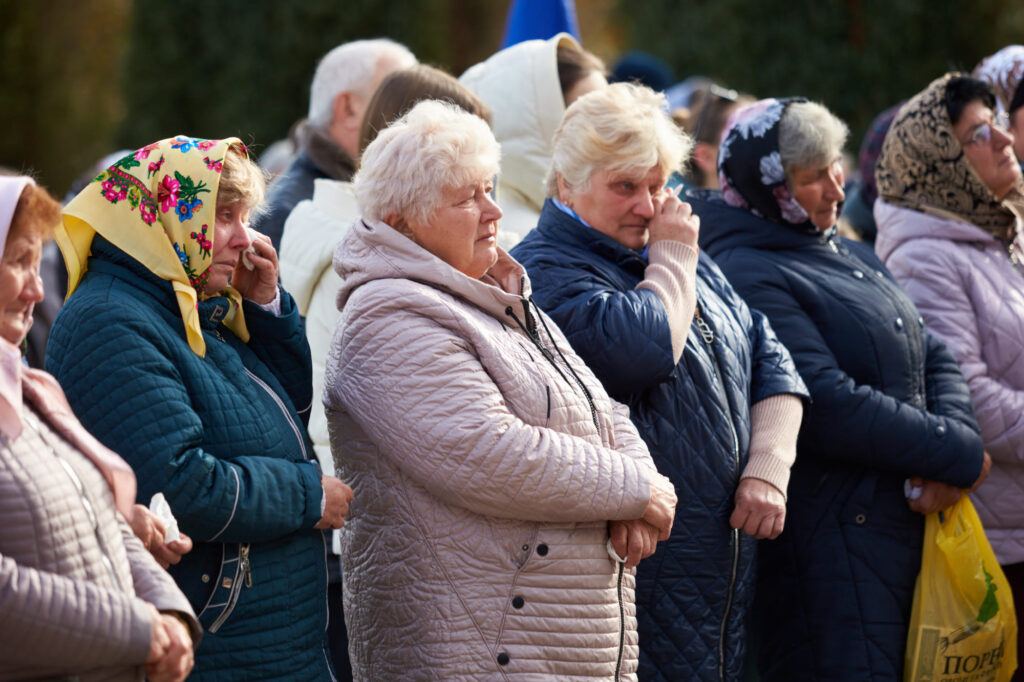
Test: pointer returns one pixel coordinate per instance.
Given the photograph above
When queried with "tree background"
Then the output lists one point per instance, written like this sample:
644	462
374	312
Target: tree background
81	79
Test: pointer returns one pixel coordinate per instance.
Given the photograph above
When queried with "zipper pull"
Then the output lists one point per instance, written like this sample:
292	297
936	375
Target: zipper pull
832	245
705	331
244	551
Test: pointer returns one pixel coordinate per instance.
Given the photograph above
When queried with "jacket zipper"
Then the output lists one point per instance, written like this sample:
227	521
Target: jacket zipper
236	585
622	623
735	541
284	410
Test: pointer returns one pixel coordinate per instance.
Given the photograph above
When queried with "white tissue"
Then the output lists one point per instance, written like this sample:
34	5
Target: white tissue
251	250
911	492
158	505
612	553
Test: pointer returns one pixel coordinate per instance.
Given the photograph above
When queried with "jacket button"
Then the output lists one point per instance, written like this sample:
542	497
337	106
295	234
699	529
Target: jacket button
920	321
858	274
940	430
205	578
880	273
518	602
899	323
542	549
502	658
526	548
860	519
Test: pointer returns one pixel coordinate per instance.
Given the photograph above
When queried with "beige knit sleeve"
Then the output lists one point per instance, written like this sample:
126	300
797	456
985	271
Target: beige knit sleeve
774	425
671	273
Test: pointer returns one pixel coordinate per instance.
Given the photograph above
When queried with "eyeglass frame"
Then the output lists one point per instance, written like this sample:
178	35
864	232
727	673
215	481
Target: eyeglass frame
983	132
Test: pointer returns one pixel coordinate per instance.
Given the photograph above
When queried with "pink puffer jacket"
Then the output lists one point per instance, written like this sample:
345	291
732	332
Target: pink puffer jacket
484	477
972	296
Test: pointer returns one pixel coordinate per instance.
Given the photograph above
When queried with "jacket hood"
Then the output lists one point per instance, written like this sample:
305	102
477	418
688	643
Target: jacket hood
898	225
371	251
520	84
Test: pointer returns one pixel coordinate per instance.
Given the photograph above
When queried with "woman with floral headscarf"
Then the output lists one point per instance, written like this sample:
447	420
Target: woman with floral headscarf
947	179
178	350
888	402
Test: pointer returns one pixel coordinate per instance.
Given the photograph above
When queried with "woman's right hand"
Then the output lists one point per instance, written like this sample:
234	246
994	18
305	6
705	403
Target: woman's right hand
935	496
673	220
661	510
159	640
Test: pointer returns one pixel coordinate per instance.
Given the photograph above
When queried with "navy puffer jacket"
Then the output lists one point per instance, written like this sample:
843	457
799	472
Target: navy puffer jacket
694	415
221	437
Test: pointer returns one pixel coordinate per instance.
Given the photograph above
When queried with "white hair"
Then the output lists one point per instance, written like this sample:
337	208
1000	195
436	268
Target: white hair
810	136
412	163
351	67
621	128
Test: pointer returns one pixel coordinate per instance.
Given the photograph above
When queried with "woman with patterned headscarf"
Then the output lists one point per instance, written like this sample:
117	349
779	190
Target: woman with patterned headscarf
177	349
1004	71
888	403
948	229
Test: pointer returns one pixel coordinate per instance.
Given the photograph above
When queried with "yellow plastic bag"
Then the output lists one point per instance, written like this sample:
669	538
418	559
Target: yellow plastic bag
962	626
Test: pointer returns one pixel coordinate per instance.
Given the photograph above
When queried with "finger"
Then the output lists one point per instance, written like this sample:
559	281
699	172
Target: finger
635	547
764	529
739	515
618	537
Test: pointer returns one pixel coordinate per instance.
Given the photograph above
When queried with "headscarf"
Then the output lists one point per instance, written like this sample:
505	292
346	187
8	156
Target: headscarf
1004	71
922	166
750	170
158	205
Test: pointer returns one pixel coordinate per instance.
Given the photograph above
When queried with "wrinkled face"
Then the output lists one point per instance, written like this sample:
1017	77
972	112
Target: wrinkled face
819	192
618	204
20	285
464	231
988	148
230	239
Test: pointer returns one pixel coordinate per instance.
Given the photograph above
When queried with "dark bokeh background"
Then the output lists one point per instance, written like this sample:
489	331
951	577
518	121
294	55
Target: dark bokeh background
80	79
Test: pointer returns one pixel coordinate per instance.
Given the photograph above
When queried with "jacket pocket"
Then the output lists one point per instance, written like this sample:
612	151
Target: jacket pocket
227	587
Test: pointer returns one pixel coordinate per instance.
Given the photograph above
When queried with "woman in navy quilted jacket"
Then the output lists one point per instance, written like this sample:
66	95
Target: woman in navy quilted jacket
717	399
889	407
185	356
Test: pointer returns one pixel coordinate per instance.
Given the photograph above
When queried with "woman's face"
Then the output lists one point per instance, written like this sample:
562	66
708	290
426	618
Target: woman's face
464	231
20	285
1017	128
618	204
230	239
819	192
988	148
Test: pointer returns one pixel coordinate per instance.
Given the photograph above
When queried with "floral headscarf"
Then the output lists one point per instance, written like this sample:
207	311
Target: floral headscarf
158	205
750	169
1004	71
922	166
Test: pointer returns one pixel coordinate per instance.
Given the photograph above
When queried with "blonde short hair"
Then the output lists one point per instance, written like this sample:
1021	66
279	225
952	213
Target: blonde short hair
810	136
410	165
621	128
241	180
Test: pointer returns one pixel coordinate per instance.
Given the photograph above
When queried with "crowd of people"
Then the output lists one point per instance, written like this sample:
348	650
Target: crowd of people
549	382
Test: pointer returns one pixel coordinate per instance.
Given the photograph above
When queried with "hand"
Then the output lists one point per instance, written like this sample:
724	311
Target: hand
935	496
259	284
634	540
986	466
673	219
176	663
147	527
159	640
171	552
337	496
760	509
661	510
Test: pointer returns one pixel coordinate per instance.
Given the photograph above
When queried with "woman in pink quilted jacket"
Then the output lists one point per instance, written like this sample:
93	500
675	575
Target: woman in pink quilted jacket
497	485
949	190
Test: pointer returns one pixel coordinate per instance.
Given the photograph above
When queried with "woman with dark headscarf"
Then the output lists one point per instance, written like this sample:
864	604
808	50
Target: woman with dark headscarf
888	402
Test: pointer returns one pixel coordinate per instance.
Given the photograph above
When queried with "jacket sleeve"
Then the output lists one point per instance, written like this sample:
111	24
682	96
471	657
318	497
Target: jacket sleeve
122	384
854	422
424	399
937	284
627	438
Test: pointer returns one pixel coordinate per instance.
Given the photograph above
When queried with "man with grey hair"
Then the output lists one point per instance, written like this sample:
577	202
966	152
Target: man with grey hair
328	140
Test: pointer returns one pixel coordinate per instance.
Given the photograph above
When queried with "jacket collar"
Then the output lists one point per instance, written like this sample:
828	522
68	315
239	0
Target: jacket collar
324	153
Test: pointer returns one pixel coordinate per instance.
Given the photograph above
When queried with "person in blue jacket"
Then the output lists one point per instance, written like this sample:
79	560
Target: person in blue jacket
890	433
713	393
188	360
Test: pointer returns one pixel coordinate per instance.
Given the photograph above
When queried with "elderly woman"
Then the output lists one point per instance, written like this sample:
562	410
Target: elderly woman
81	596
712	392
946	178
1004	71
186	357
888	402
490	468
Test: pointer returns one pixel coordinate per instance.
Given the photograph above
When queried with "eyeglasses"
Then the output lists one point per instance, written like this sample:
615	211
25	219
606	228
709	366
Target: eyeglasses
983	133
712	90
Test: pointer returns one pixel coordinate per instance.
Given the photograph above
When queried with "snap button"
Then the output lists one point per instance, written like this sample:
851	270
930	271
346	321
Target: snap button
226	583
858	274
503	658
205	578
542	549
920	321
518	602
899	323
880	273
526	548
940	430
860	518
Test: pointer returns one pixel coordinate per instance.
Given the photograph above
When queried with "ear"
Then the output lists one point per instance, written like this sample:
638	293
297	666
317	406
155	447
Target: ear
400	224
706	157
564	195
344	110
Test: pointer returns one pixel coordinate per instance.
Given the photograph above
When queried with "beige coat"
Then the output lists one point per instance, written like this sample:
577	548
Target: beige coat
475	548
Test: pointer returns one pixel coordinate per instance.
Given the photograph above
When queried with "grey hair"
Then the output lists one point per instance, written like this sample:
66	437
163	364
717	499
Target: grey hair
409	166
621	128
351	67
810	136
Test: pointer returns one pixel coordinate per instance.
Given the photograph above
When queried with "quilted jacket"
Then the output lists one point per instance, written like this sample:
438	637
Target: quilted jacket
887	402
486	462
74	580
972	296
221	437
693	594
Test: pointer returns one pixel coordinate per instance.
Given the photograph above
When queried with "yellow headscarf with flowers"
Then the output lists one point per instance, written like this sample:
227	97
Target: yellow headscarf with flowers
158	205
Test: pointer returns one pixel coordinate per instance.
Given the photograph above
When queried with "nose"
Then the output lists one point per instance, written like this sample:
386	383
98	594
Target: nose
834	190
240	235
644	206
1001	138
491	211
33	289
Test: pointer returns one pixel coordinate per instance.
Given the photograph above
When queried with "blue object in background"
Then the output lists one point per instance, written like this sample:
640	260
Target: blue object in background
539	19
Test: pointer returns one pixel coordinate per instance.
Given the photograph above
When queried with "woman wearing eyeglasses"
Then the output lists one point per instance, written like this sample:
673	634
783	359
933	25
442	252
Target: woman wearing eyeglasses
947	177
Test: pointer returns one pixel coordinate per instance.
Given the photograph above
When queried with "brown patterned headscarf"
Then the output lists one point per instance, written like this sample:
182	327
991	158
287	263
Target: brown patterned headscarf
922	166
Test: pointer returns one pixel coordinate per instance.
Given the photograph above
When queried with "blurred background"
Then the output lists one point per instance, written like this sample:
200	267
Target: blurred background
79	79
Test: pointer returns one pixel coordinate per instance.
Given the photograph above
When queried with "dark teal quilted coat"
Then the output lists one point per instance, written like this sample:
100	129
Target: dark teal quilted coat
221	437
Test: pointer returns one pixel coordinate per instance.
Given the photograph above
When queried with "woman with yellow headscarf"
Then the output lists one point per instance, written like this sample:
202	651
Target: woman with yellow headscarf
178	350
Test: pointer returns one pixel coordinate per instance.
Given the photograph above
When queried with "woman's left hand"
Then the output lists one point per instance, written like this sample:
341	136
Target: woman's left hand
634	540
260	283
935	496
760	509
